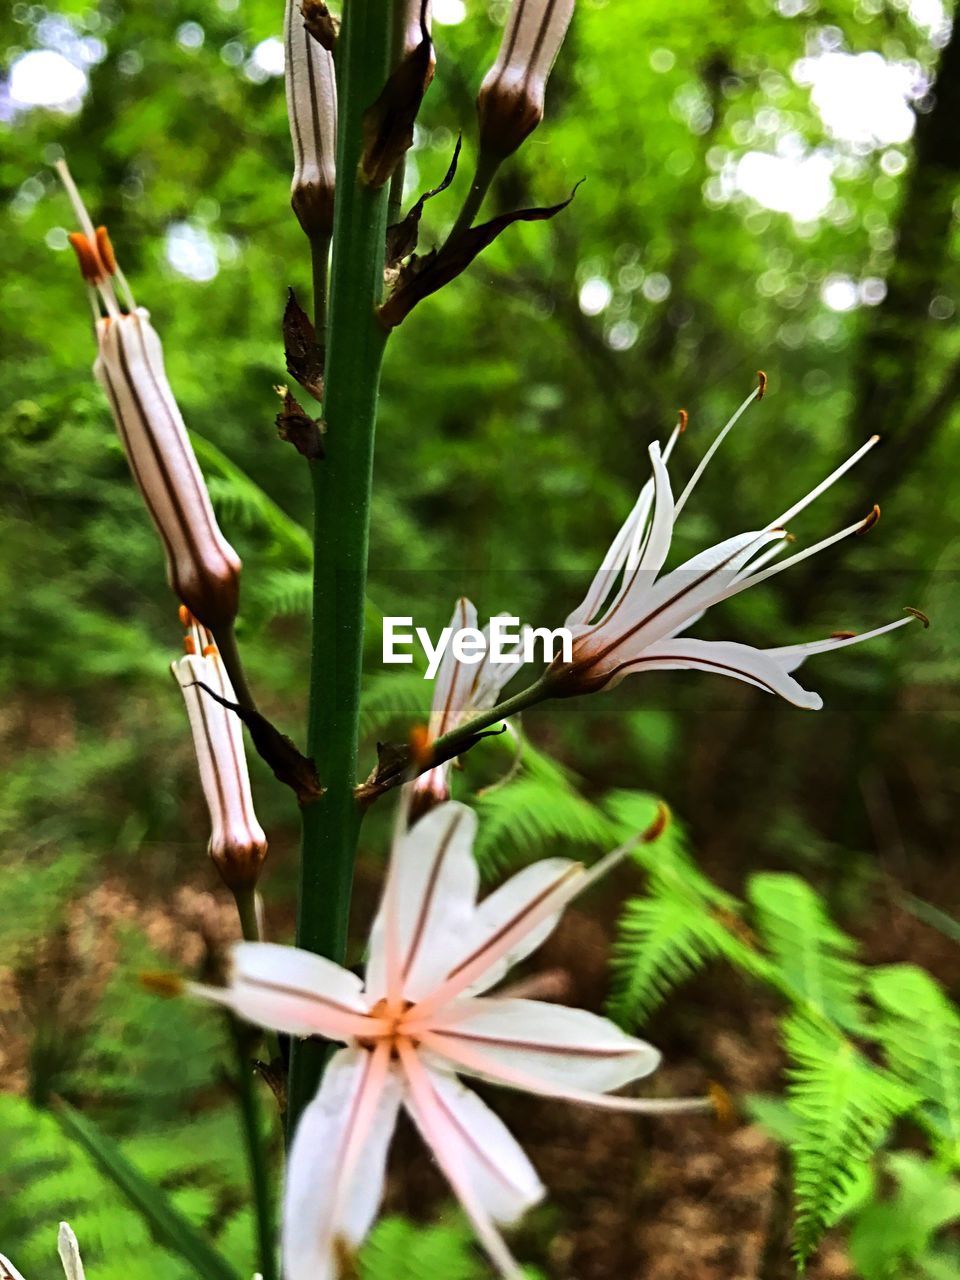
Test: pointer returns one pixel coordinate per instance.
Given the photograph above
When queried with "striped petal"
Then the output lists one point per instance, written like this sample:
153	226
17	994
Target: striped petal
725	658
7	1270
312	113
336	1167
558	1047
293	991
69	1251
428	902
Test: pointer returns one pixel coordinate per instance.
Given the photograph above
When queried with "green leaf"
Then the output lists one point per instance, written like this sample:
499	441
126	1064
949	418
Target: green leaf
814	958
167	1223
919	1029
844	1106
892	1232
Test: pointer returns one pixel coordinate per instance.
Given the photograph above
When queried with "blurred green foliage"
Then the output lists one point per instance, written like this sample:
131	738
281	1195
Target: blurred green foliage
512	440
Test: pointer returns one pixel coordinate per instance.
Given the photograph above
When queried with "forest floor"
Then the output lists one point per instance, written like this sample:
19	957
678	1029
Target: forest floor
681	1198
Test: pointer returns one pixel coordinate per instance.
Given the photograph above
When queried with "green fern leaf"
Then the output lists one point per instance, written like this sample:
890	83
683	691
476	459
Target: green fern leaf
844	1106
919	1029
393	700
519	821
402	1250
814	960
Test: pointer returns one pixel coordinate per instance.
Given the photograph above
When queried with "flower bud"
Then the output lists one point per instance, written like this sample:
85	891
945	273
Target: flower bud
312	112
409	15
202	568
511	99
237	845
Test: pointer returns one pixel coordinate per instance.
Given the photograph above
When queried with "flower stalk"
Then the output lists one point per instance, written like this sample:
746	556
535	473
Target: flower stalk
341	523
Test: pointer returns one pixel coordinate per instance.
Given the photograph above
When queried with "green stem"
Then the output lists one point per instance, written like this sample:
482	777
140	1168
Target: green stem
250	1117
341	520
226	639
487	166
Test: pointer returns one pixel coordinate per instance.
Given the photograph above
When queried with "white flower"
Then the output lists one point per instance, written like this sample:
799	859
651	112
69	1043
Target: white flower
312	113
461	691
633	617
237	845
202	568
420	1019
69	1252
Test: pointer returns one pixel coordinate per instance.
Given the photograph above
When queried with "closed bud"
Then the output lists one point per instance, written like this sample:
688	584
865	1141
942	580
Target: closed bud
312	112
414	17
237	845
511	99
202	568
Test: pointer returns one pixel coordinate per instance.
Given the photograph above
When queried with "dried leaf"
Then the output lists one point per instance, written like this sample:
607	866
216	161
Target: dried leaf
402	236
321	23
425	275
296	426
304	354
288	763
388	124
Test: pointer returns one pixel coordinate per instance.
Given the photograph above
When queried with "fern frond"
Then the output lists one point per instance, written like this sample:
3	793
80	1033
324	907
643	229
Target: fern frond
661	942
284	592
402	1250
235	495
919	1029
519	820
814	960
844	1106
393	699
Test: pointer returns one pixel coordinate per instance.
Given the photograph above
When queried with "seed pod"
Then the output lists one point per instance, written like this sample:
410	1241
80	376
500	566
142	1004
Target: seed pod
312	112
511	99
202	568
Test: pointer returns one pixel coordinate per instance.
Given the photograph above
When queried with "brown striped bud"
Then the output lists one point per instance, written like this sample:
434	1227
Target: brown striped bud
511	99
237	844
202	568
312	112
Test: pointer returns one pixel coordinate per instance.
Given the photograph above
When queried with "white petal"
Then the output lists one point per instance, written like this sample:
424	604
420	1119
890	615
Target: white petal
559	1046
7	1270
428	902
69	1252
476	1141
502	906
291	990
454	682
661	527
725	658
790	656
350	1109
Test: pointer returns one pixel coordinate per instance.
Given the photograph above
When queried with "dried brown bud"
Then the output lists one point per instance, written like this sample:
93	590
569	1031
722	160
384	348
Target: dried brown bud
296	426
388	123
320	23
303	353
511	99
312	112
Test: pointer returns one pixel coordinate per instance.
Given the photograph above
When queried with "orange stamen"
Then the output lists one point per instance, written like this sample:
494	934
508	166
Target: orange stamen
87	257
420	744
185	616
870	521
189	645
683	419
105	250
209	650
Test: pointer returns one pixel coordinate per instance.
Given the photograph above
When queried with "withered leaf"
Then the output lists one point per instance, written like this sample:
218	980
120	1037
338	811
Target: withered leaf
388	124
426	274
321	23
402	236
303	353
274	1075
296	426
288	763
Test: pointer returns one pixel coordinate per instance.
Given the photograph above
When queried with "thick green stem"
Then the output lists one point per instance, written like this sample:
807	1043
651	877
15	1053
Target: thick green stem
320	260
341	519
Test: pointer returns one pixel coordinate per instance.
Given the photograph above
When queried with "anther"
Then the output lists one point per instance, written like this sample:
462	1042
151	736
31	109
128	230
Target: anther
870	520
763	383
105	251
189	645
185	616
682	419
657	826
209	650
87	257
722	1104
842	635
921	617
162	984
